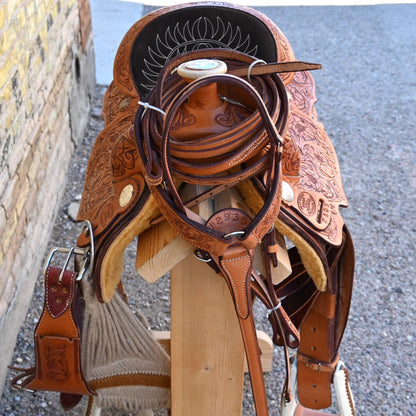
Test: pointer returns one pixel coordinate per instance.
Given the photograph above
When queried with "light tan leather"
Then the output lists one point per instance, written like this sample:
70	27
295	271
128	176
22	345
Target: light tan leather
235	264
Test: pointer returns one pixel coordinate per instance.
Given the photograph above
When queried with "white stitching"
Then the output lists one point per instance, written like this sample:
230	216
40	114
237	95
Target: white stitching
69	297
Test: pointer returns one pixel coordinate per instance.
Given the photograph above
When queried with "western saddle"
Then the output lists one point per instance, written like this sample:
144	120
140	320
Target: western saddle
208	95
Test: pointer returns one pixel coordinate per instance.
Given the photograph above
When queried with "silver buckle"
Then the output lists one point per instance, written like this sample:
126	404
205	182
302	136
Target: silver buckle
199	254
87	254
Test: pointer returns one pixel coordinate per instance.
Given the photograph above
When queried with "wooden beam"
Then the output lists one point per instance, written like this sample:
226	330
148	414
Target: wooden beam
265	345
207	353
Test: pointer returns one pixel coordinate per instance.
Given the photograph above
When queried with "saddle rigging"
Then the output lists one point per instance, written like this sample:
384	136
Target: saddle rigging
266	138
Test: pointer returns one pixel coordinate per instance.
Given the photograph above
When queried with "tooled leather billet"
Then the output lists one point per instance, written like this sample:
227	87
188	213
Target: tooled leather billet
269	144
58	332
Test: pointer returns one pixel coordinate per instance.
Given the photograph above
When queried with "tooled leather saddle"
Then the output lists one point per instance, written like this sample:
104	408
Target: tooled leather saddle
268	143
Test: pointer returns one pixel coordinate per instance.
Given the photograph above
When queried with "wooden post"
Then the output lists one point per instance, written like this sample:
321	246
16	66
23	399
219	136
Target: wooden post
206	348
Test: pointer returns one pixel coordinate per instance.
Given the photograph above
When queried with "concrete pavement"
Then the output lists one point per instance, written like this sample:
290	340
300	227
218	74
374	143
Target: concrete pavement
110	20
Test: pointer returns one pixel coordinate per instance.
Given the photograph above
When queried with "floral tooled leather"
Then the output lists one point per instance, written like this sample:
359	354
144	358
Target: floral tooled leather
113	164
310	164
318	188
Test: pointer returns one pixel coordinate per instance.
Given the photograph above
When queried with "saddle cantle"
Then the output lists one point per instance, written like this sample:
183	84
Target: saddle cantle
277	154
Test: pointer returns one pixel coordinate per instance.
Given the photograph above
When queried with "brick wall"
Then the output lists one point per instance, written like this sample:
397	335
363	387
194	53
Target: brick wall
47	76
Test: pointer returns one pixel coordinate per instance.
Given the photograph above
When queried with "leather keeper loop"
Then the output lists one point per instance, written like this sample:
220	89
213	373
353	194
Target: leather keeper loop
319	366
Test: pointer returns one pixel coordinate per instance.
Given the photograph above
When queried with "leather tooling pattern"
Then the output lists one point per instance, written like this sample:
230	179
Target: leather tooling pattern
100	200
302	93
319	170
183	119
306	203
231	116
57	364
124	156
116	102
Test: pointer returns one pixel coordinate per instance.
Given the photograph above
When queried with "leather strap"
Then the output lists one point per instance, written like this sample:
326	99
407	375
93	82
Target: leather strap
230	236
235	265
57	340
322	329
277	68
158	170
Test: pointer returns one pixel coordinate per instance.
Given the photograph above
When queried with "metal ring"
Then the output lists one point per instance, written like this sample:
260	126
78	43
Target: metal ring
88	254
234	233
257	61
274	309
200	258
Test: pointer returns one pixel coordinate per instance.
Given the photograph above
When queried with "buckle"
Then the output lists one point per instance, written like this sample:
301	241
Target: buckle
315	366
319	366
86	254
202	256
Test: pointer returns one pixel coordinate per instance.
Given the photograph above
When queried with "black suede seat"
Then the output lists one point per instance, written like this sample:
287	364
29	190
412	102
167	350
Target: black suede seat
197	27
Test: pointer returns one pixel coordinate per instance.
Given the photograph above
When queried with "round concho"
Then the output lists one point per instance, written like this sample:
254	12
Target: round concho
306	204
